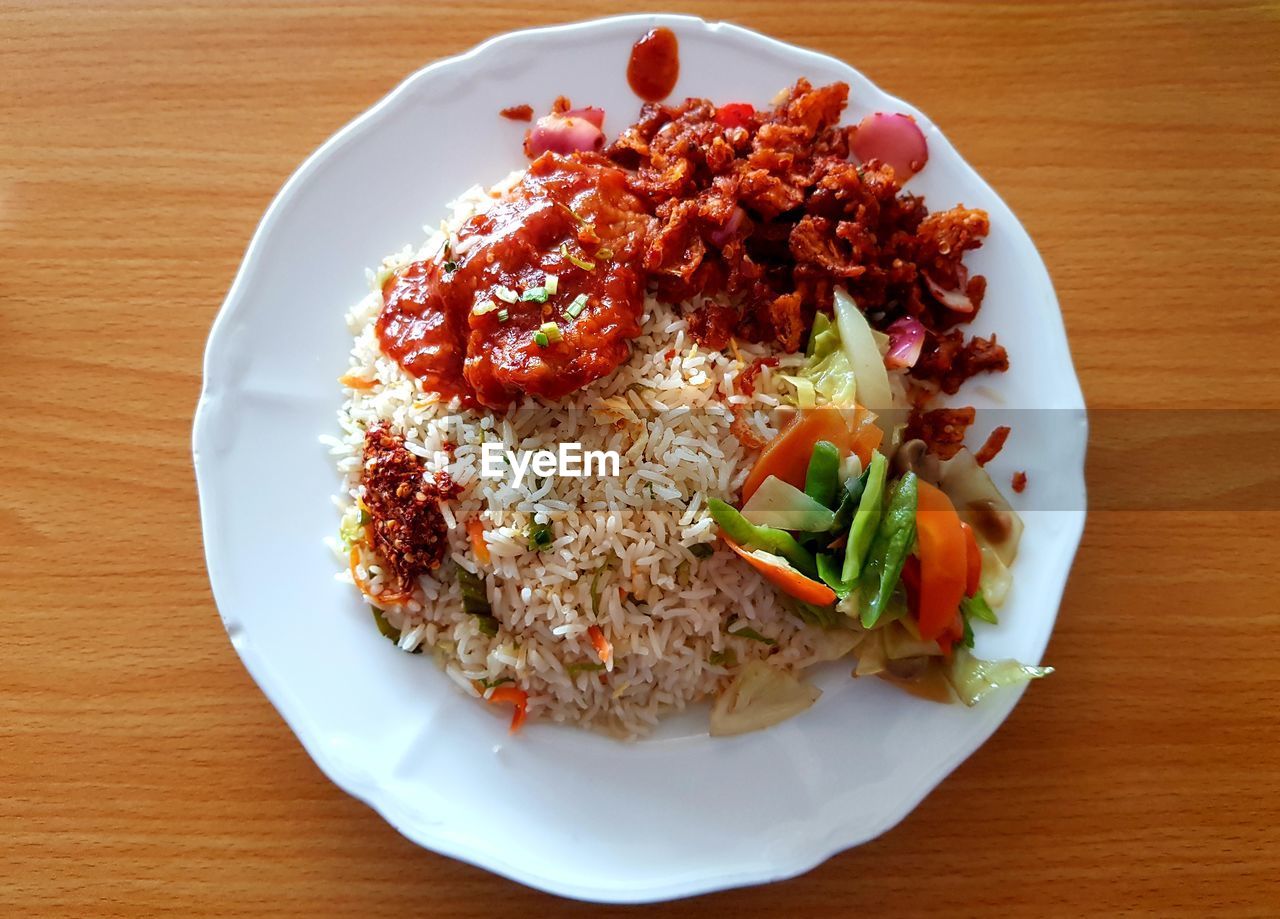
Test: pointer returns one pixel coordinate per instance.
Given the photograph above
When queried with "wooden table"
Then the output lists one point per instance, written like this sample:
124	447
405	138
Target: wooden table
140	768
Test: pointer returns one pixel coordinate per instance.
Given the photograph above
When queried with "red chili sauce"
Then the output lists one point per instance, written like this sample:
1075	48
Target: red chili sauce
654	65
450	324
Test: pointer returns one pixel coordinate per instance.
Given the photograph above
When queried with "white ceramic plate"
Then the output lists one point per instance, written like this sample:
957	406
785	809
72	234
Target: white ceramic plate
557	808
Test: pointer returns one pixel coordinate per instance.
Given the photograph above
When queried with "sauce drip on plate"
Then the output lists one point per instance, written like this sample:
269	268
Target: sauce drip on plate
654	65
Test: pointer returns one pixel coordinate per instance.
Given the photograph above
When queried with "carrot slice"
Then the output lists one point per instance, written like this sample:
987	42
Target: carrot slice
943	561
602	645
517	697
355	382
786	578
386	598
787	455
475	529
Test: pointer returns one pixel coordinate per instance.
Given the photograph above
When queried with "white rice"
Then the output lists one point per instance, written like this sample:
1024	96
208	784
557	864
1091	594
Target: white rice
665	611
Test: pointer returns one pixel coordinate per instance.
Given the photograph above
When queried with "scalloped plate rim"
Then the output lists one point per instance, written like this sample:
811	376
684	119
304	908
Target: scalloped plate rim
359	785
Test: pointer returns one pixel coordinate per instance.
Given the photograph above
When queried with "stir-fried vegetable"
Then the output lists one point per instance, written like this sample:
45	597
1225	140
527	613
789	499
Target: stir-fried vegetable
778	572
973	679
866	519
976	608
806	394
980	504
743	533
829	572
785	507
759	697
901	642
823	476
823	615
995	580
864	356
834	643
889	550
943	562
850	495
828	370
517	697
787	455
913	564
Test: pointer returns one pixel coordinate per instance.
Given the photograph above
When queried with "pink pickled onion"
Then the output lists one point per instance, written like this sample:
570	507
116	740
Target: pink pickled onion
906	339
731	226
955	298
894	140
591	113
564	134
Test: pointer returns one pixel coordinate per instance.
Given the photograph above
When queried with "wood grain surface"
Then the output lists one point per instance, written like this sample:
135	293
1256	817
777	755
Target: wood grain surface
142	772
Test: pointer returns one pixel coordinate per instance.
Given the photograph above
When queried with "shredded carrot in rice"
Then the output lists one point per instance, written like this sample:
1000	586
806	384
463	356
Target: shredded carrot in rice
386	598
602	645
517	697
475	529
355	382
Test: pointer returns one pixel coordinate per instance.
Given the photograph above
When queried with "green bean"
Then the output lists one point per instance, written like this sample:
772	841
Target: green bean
889	550
823	476
749	536
866	520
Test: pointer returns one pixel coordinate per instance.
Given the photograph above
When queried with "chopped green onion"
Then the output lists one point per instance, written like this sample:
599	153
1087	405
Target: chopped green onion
602	252
752	634
540	339
583	667
577	306
978	608
551	331
595	589
551	284
584	263
386	628
490	684
725	658
702	550
540	536
475	599
535	294
503	315
487	625
506	294
450	266
484	306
